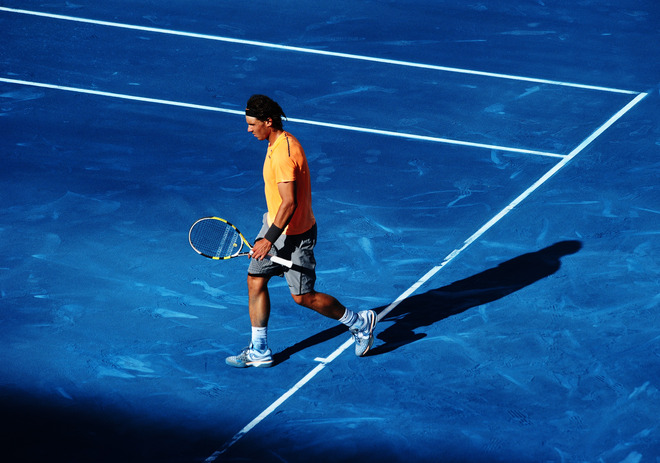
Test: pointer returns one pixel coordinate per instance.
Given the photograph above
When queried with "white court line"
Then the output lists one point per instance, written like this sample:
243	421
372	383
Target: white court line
475	236
122	96
314	51
448	141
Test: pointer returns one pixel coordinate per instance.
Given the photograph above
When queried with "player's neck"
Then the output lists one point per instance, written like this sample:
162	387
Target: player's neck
274	135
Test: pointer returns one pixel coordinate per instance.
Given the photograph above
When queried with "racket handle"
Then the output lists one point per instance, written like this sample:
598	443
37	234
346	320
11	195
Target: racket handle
279	260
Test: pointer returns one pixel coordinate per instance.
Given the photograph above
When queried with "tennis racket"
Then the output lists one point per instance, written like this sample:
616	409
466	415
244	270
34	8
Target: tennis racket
217	239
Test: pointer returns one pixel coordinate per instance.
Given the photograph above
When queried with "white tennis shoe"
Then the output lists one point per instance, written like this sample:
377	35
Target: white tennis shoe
250	357
364	335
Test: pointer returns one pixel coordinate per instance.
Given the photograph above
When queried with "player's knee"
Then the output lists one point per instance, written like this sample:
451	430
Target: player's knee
304	300
256	283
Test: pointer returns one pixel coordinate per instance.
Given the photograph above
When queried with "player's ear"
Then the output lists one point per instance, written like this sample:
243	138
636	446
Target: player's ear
268	122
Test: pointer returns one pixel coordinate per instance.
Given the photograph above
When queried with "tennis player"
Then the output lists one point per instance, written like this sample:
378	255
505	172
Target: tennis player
288	231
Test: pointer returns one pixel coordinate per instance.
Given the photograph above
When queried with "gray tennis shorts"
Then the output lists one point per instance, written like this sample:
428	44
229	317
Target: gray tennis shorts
299	249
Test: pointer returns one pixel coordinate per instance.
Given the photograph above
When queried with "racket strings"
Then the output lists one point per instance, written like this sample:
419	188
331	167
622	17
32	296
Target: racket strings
215	238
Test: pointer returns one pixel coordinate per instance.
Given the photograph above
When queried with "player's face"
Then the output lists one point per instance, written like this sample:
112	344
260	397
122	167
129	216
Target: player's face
260	129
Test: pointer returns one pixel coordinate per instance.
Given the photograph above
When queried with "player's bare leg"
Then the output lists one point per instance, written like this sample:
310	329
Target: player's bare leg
321	303
259	301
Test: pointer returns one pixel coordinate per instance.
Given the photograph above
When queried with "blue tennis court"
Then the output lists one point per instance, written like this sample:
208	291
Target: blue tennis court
485	176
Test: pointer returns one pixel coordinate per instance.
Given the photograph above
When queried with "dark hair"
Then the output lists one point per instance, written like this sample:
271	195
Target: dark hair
264	108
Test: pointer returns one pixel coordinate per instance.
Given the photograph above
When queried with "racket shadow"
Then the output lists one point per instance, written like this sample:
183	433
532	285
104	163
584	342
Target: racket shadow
460	296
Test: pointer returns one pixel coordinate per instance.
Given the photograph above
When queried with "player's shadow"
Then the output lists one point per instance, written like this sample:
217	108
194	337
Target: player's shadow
438	304
487	286
313	340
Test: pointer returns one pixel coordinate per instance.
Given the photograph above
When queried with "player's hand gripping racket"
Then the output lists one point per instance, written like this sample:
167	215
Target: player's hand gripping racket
217	239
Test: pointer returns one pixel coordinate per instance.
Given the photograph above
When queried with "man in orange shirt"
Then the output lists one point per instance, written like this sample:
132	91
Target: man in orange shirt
288	231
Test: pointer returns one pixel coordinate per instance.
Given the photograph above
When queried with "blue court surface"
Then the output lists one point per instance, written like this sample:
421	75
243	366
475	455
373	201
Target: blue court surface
485	176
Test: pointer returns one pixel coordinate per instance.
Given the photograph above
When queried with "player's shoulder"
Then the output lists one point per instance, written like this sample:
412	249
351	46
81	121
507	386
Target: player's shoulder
291	139
291	145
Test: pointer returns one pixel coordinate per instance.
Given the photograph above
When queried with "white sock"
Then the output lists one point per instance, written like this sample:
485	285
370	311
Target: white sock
350	318
260	338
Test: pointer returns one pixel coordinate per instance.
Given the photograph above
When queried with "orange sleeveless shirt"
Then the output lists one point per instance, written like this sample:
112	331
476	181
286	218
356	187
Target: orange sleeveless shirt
286	162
